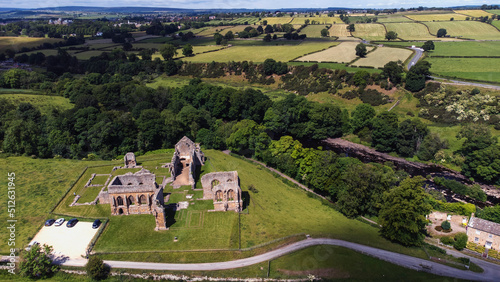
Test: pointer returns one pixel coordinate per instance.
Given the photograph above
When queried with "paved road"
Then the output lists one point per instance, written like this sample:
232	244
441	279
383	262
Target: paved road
491	273
467	83
418	54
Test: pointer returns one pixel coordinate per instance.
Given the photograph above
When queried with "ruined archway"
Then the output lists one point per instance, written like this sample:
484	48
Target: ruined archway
219	195
142	200
119	201
131	200
120	211
214	183
230	195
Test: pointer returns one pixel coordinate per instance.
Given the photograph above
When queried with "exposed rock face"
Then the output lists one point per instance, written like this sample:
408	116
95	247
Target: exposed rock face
367	154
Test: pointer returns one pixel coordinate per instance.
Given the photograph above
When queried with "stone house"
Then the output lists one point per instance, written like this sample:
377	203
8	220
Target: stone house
135	193
484	232
224	189
186	158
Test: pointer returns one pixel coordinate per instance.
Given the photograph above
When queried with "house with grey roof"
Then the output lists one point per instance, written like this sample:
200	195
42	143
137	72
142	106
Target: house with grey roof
484	232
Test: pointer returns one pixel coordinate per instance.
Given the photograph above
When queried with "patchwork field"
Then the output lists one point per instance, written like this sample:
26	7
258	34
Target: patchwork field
339	30
437	17
16	43
43	103
485	69
318	20
395	19
466	29
249	20
410	31
261	53
382	56
343	53
196	50
207	31
276	20
466	48
369	31
313	31
473	13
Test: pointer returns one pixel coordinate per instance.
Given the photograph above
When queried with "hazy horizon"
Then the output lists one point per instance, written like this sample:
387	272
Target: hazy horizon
235	4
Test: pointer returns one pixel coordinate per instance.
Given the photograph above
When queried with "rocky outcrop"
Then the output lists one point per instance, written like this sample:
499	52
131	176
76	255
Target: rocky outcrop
367	154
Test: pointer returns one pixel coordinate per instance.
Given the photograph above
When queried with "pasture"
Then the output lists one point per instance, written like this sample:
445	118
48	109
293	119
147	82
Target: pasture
410	31
88	54
466	48
473	13
333	66
496	12
339	30
437	17
466	29
42	102
485	69
394	19
369	31
248	20
196	50
16	43
256	54
313	30
496	24
317	20
343	53
382	56
276	20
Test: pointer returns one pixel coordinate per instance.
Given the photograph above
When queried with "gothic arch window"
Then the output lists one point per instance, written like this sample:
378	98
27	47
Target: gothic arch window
119	201
214	183
230	195
130	200
142	200
218	195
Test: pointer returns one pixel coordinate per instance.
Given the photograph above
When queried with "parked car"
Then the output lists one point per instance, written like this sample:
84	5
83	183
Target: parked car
59	222
31	245
71	222
49	222
96	224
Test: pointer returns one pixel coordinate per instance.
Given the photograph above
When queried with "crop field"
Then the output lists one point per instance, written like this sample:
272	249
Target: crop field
473	13
466	29
382	56
496	12
467	48
196	50
339	30
276	20
395	19
43	103
249	20
437	17
333	66
485	69
410	31
16	43
313	30
236	29
369	31
210	31
343	53
261	53
320	20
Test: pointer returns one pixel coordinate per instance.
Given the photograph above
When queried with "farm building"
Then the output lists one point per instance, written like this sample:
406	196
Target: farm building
484	232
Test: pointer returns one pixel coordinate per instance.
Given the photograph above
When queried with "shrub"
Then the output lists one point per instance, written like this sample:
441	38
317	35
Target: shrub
475	247
447	240
460	241
96	269
252	189
446	225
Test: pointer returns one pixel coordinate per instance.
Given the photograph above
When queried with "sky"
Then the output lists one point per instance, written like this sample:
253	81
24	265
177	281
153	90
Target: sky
232	4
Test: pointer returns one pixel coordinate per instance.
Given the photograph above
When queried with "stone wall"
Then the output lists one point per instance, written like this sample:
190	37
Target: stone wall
209	180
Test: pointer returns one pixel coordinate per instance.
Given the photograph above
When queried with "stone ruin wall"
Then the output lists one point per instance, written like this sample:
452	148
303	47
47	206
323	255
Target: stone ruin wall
222	177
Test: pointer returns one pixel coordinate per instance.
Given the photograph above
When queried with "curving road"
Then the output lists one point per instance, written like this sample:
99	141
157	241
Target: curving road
459	82
491	271
418	54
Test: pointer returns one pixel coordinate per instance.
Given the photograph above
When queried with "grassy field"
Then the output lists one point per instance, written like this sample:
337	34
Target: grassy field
156	40
473	13
39	186
466	48
369	31
276	20
410	31
496	24
382	56
485	69
320	20
260	53
394	19
88	54
42	102
196	50
16	43
496	12
209	31
338	263
466	29
335	66
313	30
437	17
343	53
339	30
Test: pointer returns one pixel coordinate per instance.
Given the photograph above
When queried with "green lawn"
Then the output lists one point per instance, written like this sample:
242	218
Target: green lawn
42	102
485	69
260	53
467	48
